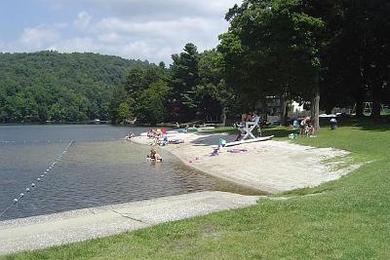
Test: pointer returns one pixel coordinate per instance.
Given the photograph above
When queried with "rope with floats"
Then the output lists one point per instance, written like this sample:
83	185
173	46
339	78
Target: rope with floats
38	179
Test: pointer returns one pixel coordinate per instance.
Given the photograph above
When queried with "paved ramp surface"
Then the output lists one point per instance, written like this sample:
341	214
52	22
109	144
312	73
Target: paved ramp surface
56	229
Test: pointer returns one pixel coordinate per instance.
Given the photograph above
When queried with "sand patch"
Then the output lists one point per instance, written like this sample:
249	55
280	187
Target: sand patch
270	166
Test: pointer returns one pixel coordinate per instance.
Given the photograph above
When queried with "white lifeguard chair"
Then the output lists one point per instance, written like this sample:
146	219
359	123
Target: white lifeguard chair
248	127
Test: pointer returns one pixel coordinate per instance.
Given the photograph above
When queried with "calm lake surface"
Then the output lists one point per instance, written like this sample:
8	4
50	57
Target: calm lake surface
99	168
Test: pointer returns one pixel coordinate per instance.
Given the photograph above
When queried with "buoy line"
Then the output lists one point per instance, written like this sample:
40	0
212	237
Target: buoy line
38	179
59	141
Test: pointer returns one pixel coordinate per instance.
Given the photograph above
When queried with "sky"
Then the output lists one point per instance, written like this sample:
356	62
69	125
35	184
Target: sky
134	29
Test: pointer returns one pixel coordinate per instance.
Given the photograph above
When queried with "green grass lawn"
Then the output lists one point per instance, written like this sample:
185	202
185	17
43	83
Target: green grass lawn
346	219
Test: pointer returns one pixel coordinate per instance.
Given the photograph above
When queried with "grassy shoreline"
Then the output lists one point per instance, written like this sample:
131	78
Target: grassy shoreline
348	219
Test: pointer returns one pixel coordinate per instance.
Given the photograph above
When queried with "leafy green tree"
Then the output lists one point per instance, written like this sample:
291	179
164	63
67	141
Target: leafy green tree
273	48
185	78
354	63
119	96
152	103
140	78
215	100
137	92
123	111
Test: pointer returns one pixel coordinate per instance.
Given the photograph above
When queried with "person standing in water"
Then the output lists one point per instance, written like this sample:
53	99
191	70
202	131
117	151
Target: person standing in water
155	156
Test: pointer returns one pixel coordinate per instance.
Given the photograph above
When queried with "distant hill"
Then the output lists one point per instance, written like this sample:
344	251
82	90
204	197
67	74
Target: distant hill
36	87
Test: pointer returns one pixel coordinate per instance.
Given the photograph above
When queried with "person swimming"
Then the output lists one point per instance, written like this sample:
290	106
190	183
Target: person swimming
154	156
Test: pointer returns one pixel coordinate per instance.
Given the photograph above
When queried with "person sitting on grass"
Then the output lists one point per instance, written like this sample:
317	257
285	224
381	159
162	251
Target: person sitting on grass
303	125
307	127
309	131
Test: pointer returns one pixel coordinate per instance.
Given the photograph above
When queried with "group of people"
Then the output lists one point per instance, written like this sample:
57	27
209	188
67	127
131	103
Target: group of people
154	156
160	138
156	133
306	127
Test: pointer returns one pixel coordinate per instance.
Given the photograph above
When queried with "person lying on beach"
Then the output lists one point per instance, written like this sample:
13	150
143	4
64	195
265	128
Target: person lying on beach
153	133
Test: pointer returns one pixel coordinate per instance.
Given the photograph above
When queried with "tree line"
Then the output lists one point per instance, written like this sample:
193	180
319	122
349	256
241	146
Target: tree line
192	88
323	54
50	86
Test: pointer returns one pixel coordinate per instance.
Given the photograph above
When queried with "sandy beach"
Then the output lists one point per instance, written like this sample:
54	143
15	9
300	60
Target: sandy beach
269	166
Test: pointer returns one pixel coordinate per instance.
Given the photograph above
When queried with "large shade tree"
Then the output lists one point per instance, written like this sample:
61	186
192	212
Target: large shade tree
185	78
273	48
215	100
355	65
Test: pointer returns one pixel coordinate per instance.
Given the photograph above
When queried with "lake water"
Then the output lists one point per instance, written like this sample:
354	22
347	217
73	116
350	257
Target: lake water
99	168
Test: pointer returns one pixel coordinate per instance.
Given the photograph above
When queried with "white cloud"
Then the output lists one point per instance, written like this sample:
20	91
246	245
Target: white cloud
166	8
167	30
156	40
83	20
40	36
144	29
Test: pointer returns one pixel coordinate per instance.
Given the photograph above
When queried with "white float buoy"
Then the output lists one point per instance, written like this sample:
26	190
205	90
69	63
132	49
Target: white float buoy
33	185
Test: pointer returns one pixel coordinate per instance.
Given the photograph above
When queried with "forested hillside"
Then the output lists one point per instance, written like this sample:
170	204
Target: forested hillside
36	87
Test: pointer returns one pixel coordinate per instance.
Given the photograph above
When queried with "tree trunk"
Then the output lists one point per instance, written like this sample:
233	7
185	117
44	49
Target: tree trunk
223	116
315	107
360	91
376	109
359	108
283	109
376	102
376	96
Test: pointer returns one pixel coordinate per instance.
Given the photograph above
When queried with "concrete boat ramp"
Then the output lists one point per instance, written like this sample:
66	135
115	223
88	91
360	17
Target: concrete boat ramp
61	228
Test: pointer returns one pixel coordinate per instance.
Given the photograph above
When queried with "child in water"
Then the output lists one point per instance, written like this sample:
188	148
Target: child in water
154	155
